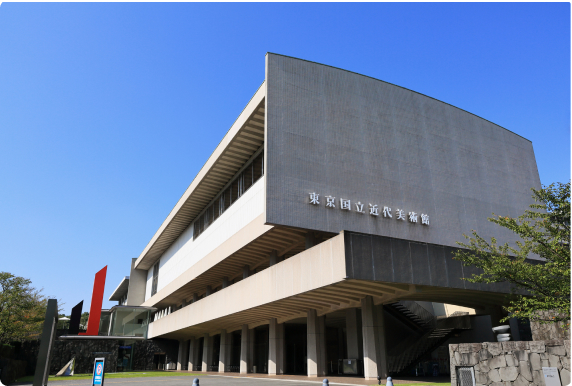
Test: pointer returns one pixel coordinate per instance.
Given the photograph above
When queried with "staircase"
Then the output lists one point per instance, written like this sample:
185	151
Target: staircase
432	333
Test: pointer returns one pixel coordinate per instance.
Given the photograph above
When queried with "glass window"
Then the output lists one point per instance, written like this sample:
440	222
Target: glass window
257	167
155	278
248	177
129	321
237	187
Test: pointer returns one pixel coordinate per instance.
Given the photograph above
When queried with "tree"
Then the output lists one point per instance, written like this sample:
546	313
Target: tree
544	230
22	309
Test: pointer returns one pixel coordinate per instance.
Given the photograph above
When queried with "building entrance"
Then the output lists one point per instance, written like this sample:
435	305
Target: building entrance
125	357
260	362
295	342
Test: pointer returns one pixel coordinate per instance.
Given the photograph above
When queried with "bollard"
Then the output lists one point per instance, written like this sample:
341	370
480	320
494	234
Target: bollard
389	382
378	380
196	382
325	382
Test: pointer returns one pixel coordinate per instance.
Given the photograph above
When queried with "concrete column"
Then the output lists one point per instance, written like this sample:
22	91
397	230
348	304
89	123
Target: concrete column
275	347
251	338
207	352
137	285
245	271
224	356
209	290
182	356
194	359
244	350
225	282
316	344
374	348
273	257
354	334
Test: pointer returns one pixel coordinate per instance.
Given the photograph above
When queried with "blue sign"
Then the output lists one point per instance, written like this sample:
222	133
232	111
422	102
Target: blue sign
98	371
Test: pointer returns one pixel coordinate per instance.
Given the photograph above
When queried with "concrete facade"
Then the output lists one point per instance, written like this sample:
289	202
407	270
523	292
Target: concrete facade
257	273
350	136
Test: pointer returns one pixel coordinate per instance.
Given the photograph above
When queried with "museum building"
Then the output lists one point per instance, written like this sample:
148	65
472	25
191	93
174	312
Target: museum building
318	236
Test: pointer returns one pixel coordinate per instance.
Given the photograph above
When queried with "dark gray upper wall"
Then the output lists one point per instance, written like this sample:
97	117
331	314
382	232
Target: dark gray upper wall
338	133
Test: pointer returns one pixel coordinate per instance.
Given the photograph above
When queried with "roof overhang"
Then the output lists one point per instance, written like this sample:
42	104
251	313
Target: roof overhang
121	290
242	140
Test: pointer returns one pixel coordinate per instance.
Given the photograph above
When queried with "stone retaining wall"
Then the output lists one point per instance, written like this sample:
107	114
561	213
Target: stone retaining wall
511	363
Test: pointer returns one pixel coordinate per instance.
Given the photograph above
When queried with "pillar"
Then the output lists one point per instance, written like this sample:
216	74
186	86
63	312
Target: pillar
374	348
225	282
207	353
245	271
273	257
251	337
195	297
275	347
316	344
224	356
194	359
208	291
354	338
244	350
182	356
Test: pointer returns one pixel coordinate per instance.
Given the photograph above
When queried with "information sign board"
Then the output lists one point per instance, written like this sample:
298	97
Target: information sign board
551	377
98	371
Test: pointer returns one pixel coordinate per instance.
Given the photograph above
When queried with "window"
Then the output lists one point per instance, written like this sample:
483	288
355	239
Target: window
240	184
155	278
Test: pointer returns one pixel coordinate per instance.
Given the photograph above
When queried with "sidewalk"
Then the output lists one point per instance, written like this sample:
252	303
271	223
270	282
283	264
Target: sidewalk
340	380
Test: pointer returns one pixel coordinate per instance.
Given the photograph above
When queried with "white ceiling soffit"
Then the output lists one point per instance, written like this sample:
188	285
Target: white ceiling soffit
121	289
242	140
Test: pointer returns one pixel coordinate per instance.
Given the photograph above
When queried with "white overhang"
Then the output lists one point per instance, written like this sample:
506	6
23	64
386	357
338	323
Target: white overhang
242	140
121	289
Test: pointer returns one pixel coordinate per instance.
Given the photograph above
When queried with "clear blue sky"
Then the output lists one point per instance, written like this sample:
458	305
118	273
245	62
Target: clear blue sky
108	111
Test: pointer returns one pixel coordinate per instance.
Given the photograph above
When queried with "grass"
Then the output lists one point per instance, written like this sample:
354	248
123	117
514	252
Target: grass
130	374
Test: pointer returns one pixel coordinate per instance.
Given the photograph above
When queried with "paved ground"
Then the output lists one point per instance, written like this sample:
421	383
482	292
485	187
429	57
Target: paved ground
213	379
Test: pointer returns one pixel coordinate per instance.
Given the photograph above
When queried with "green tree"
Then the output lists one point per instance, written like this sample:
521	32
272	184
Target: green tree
544	230
22	309
83	320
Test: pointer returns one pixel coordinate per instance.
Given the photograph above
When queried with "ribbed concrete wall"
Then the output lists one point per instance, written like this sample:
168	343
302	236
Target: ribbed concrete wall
338	133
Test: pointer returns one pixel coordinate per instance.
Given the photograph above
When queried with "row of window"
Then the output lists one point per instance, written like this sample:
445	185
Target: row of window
239	185
155	278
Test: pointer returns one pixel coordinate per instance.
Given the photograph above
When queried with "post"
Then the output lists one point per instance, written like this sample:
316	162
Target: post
224	282
180	355
48	335
275	347
354	335
374	350
207	353
193	354
245	271
224	356
244	350
316	344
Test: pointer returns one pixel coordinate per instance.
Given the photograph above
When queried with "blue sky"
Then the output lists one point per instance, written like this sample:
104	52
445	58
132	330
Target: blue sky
108	111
